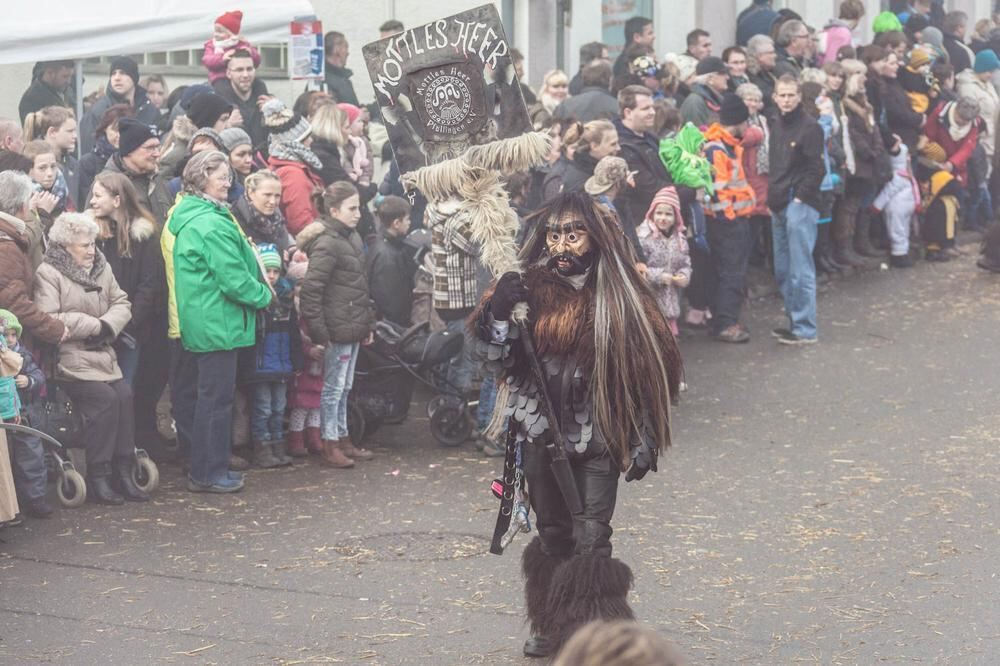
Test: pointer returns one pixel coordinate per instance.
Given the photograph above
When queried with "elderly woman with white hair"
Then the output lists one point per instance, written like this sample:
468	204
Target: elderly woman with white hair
75	285
762	57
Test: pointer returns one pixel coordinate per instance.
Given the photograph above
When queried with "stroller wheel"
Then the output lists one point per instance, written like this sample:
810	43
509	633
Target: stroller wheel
434	404
71	488
145	473
450	425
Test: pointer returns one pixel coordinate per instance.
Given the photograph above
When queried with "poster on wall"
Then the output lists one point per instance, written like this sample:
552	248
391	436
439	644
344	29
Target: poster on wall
445	86
305	50
614	13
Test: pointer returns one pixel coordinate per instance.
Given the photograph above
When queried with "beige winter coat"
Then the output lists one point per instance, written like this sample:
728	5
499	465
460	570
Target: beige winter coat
969	85
82	302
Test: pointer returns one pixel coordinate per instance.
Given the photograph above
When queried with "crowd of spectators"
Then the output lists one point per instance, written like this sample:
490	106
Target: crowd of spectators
223	252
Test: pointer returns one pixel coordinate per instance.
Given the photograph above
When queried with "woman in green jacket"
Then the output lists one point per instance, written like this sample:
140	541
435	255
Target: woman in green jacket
218	288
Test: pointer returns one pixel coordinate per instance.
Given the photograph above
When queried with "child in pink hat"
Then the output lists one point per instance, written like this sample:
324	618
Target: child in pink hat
226	40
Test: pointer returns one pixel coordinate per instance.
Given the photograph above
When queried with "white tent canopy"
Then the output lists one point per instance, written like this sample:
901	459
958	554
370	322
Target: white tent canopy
59	30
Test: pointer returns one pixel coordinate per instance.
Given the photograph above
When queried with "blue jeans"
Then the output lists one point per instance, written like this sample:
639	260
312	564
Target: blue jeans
28	456
463	366
338	377
128	361
267	421
794	232
212	432
487	401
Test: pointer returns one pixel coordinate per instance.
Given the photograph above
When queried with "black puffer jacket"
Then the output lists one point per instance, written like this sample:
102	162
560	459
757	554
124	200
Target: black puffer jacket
900	118
391	268
335	301
142	275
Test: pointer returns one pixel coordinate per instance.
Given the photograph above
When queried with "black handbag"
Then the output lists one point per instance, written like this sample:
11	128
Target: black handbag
56	416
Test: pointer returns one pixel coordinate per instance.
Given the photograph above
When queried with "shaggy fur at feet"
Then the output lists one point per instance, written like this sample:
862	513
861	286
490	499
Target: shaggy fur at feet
586	588
538	570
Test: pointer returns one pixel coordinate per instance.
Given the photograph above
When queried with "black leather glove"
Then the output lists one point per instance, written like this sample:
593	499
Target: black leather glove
105	337
635	473
509	291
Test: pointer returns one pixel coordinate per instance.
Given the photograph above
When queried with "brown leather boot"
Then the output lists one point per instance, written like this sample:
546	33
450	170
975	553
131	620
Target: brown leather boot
314	442
351	451
296	444
332	456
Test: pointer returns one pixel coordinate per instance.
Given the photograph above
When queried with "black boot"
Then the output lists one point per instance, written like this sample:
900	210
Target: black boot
583	589
862	237
131	492
844	255
99	485
538	569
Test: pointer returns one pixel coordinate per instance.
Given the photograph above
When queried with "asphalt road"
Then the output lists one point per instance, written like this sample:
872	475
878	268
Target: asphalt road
833	504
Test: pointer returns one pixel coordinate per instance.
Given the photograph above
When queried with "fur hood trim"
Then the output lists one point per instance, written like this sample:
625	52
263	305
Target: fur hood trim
311	232
183	129
141	229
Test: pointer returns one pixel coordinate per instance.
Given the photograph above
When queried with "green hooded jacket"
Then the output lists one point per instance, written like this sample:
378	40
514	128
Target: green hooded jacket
216	277
682	155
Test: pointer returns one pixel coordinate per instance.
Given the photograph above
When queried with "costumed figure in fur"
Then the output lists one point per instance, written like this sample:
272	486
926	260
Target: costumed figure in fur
610	400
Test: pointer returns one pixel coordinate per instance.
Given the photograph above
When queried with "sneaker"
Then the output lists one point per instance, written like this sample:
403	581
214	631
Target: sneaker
16	521
780	332
794	340
38	508
936	255
226	485
735	334
901	261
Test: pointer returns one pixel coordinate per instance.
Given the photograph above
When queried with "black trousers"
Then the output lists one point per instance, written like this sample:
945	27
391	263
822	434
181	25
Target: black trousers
561	534
151	378
109	429
701	291
730	242
183	394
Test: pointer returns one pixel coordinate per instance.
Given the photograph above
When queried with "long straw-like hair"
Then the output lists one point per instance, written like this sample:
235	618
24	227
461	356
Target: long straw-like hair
637	364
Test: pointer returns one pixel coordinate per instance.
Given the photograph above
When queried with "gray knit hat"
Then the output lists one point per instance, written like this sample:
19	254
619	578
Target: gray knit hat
283	125
211	134
233	137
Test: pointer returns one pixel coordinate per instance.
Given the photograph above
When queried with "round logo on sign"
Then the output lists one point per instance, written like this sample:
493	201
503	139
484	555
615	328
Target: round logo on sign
447	101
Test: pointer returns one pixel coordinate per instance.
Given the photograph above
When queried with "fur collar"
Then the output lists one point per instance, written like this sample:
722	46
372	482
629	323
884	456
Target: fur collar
59	258
183	129
310	233
141	229
860	107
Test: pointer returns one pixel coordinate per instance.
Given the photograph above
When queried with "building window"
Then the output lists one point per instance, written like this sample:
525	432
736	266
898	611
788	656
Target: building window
273	62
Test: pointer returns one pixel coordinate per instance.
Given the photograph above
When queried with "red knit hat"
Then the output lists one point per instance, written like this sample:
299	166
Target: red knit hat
231	21
352	112
668	196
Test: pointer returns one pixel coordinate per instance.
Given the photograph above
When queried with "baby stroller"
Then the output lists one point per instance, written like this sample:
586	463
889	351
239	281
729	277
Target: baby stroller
388	371
57	423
